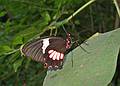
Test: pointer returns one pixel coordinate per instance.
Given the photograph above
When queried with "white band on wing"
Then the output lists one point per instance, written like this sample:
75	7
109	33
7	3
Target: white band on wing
55	55
45	44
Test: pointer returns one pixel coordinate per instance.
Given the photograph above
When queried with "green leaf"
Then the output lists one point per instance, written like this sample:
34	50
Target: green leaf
17	64
26	34
95	68
14	57
4	49
46	16
7	26
2	13
18	40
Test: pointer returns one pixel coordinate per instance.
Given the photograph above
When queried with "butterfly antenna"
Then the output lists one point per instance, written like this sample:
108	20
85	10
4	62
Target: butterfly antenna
65	30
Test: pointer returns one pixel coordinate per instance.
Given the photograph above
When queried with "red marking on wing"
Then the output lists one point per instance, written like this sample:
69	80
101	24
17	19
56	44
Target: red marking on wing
68	41
50	51
55	55
52	54
61	56
58	56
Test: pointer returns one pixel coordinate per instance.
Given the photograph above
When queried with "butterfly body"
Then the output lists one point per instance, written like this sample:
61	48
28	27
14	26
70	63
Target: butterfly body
50	51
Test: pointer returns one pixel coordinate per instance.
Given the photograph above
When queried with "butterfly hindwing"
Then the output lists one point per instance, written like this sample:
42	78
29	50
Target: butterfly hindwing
58	44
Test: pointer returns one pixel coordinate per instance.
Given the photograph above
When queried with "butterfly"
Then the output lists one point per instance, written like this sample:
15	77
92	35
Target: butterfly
49	51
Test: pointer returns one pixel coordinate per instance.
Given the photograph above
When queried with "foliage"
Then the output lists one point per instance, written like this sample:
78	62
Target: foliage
24	20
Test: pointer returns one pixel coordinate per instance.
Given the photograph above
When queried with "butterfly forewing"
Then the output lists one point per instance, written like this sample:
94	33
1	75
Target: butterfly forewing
33	49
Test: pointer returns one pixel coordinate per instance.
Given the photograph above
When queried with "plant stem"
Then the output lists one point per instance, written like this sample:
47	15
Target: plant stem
11	52
80	9
74	14
117	7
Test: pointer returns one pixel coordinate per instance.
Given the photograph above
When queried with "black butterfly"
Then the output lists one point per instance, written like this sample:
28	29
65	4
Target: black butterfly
49	51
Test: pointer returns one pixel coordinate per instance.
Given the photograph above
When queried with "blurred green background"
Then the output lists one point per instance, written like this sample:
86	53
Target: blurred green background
24	20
